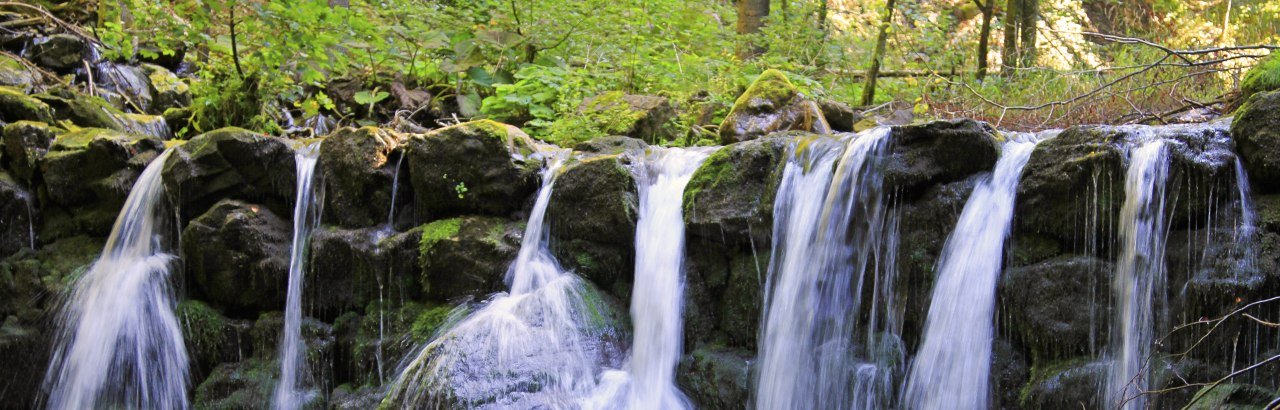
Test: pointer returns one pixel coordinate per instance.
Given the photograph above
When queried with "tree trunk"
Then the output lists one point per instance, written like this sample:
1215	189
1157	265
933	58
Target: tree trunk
869	88
984	36
1029	14
751	14
1009	55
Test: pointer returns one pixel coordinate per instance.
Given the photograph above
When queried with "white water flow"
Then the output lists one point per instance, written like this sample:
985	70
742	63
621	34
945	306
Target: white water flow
120	345
290	394
537	346
834	239
657	299
1244	234
1140	274
951	369
395	186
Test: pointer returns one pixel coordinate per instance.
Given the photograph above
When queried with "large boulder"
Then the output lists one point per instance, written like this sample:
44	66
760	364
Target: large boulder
359	169
60	52
1069	179
237	257
350	268
467	256
770	104
88	174
716	378
231	163
17	106
643	117
24	144
478	167
17	219
592	215
730	197
938	152
1056	308
1256	129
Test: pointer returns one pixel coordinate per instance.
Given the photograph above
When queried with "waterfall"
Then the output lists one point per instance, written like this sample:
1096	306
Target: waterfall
951	369
306	215
834	240
657	299
395	186
534	346
120	345
1140	273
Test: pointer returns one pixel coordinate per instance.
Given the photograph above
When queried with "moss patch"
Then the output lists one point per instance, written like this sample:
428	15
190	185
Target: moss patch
437	231
429	322
16	106
1263	77
772	88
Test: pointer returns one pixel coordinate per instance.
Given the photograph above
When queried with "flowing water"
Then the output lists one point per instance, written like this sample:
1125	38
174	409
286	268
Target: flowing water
834	240
1140	273
538	345
951	368
120	345
291	392
657	299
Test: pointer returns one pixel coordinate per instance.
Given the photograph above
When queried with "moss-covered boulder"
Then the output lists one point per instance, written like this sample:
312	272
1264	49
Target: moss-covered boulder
1231	396
939	152
17	75
466	256
1074	177
377	340
716	378
60	52
231	163
166	89
16	217
1056	307
90	111
87	175
349	268
211	339
730	197
840	116
17	106
1067	384
24	144
1263	77
237	257
1256	129
245	384
592	215
643	117
359	168
611	145
478	167
31	280
770	104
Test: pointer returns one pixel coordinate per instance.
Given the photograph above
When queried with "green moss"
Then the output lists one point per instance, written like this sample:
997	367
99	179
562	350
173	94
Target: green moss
772	87
164	81
429	322
715	169
1263	77
15	106
202	326
435	232
1042	373
1230	397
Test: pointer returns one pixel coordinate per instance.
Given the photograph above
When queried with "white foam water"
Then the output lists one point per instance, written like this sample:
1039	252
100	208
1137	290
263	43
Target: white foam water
120	344
290	392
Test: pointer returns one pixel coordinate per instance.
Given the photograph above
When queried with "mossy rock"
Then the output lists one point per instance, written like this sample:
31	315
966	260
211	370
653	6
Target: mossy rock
611	145
17	75
95	112
17	106
87	175
237	257
1068	180
595	202
24	144
350	268
730	197
125	87
359	166
60	52
246	384
479	167
211	339
1256	129
1263	77
30	280
231	163
643	117
716	377
938	152
382	337
466	256
167	90
1056	307
1065	384
1231	396
741	304
769	105
17	217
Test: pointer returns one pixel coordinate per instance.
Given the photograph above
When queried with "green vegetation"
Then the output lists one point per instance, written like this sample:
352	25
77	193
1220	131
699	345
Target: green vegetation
1263	77
437	231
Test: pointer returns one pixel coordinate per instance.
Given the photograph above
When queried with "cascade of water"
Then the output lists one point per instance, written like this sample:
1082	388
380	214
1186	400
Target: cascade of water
535	346
120	345
395	186
306	215
31	220
658	297
950	371
1244	235
1140	273
834	238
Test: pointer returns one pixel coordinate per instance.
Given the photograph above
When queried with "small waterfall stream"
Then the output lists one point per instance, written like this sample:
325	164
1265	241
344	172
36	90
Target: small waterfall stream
834	239
120	345
1140	273
951	369
290	393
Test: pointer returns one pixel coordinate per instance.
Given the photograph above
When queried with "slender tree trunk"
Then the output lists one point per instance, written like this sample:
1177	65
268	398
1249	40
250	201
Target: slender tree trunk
869	88
984	36
1030	13
1012	19
822	17
751	14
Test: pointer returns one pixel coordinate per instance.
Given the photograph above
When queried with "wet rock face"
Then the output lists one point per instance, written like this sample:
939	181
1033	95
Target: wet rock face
1257	133
769	105
350	268
1067	384
939	152
923	227
1057	308
17	106
730	197
87	174
237	257
479	167
359	167
24	144
60	52
716	378
592	215
467	256
1069	181
16	217
24	357
231	163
